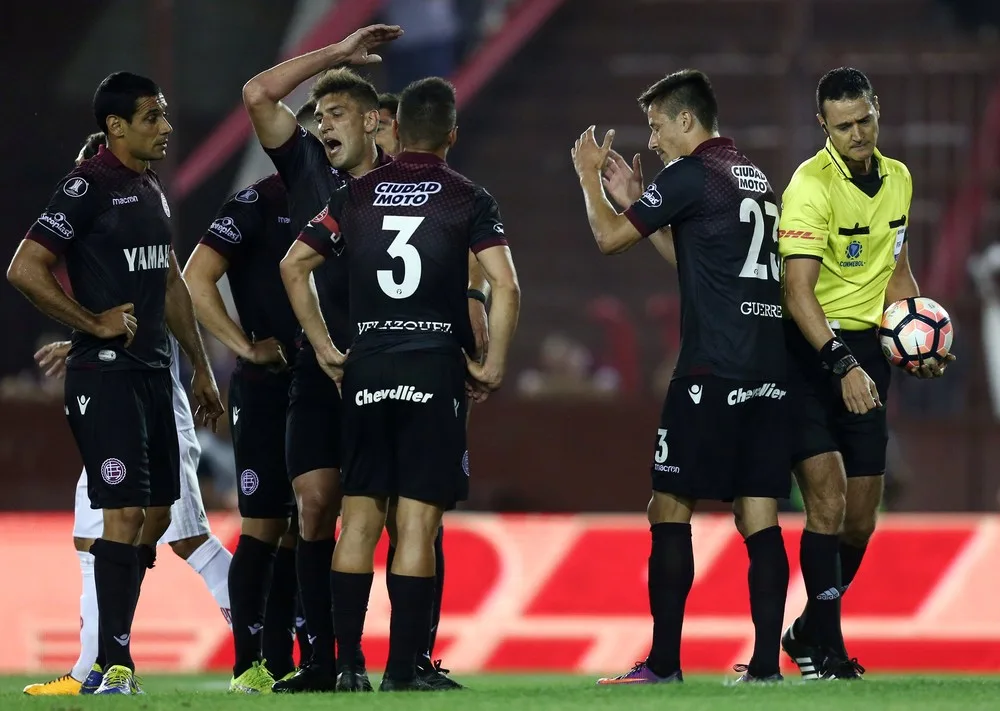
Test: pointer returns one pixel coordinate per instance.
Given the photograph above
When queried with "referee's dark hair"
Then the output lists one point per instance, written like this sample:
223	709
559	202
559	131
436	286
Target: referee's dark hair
687	89
118	95
842	83
427	113
389	102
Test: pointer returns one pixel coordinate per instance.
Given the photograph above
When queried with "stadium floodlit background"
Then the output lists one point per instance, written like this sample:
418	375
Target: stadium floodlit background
570	432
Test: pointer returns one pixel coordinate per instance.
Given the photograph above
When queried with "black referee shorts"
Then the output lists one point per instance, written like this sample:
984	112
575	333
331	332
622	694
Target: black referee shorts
123	423
721	440
312	437
820	421
258	407
404	427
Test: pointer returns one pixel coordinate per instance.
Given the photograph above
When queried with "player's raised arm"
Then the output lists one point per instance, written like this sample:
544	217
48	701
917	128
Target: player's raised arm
272	120
179	314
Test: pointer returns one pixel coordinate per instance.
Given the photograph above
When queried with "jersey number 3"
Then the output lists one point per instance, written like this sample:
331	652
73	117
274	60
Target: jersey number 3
400	248
750	212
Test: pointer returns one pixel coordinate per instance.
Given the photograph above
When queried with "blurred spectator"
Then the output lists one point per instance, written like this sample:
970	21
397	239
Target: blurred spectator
566	370
429	47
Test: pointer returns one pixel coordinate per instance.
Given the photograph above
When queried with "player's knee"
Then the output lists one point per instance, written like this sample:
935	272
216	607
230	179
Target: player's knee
186	546
123	525
667	508
317	516
859	528
268	530
825	514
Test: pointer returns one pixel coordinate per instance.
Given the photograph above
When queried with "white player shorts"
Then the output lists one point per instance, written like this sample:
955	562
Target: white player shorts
187	515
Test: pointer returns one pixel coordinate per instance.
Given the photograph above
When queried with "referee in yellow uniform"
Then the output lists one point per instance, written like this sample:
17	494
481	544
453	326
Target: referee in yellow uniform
842	235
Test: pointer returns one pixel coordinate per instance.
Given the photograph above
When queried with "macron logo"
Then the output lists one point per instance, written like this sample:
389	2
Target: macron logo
695	392
123	640
82	402
236	414
407	393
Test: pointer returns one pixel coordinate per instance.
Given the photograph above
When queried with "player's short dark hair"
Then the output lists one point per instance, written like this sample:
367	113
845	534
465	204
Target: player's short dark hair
843	83
345	81
92	144
118	95
306	112
427	113
389	102
687	89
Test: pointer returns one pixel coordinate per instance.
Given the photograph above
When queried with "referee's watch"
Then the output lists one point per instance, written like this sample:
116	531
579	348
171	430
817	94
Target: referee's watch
837	357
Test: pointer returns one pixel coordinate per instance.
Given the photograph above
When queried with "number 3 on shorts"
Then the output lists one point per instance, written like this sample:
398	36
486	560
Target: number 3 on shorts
661	448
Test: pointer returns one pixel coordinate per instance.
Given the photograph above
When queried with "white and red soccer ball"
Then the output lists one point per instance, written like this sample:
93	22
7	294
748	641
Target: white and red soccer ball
915	331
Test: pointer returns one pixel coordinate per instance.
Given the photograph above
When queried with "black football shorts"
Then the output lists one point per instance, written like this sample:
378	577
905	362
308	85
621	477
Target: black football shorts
312	438
722	439
123	423
258	406
404	427
821	423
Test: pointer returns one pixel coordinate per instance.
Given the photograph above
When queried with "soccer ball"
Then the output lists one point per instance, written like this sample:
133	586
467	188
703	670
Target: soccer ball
915	331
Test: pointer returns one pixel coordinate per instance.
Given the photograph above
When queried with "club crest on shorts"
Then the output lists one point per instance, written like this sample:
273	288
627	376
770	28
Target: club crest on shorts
113	471
249	481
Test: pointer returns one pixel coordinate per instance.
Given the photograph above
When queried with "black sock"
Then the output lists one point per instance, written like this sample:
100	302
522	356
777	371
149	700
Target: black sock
671	574
145	556
302	629
819	557
313	559
250	574
768	581
349	653
411	599
116	579
278	639
438	590
850	561
102	655
351	591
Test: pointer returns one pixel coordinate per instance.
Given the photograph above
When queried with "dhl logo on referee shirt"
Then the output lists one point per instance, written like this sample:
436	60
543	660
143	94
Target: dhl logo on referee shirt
796	234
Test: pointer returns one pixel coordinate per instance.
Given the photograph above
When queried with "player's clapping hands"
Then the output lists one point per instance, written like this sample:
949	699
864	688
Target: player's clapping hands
206	394
52	358
588	157
623	182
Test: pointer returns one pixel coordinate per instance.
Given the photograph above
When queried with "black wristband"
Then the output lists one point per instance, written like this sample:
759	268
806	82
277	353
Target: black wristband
477	295
837	357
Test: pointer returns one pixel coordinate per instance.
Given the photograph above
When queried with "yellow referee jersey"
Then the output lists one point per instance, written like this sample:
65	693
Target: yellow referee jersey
827	214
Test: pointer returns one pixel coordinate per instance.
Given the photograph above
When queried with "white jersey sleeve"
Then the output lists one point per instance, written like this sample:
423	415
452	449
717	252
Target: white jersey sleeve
182	408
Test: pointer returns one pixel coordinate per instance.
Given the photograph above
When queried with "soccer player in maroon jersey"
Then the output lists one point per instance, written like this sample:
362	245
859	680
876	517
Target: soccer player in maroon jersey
110	220
405	232
722	430
311	167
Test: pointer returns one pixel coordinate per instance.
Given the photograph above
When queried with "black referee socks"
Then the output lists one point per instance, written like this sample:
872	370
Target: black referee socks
819	557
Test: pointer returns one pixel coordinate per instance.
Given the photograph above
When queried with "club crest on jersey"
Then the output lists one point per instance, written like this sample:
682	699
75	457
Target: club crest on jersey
652	197
322	215
225	228
405	194
76	187
248	196
498	228
152	256
56	222
852	254
750	178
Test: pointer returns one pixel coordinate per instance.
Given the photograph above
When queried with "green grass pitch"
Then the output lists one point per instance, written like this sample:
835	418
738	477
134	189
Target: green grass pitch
548	693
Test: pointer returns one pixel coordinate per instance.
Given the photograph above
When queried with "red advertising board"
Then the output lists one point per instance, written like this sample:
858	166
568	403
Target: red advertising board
560	593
